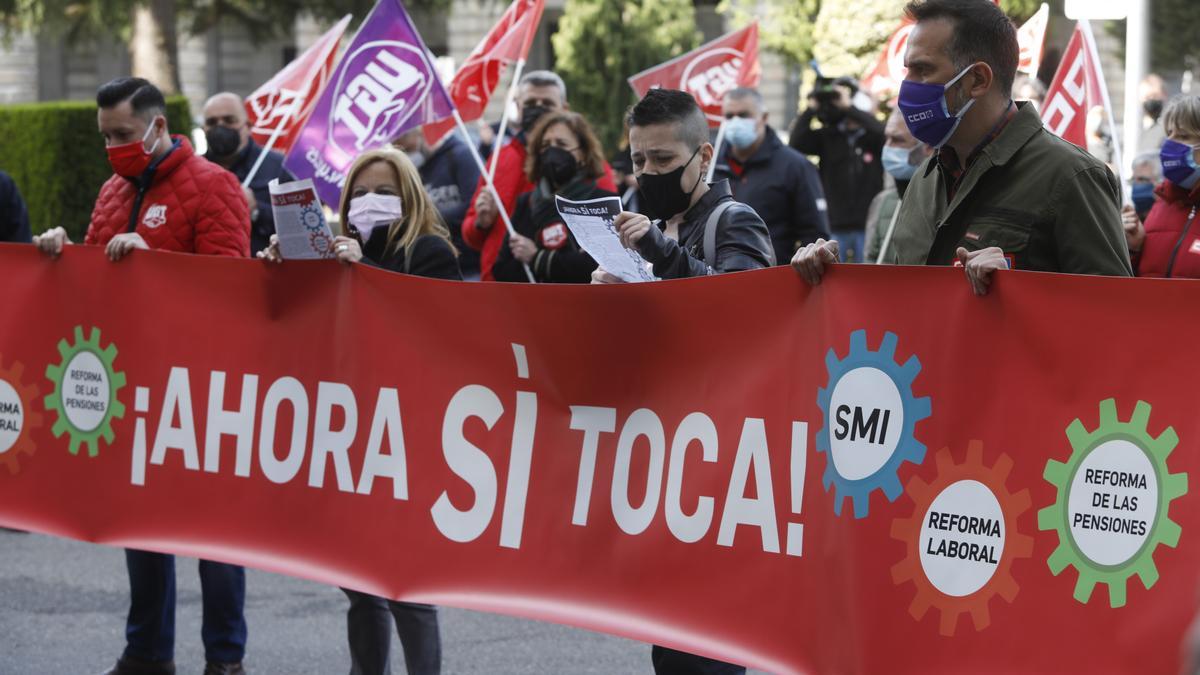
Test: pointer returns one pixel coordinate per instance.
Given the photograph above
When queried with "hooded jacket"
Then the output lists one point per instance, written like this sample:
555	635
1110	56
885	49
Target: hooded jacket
1172	245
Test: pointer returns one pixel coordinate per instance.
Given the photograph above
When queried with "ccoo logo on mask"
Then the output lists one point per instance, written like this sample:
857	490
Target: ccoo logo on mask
391	80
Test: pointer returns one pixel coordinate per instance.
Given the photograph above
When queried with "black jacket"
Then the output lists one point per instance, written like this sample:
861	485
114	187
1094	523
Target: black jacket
432	256
784	188
14	218
559	259
449	174
851	170
742	240
272	167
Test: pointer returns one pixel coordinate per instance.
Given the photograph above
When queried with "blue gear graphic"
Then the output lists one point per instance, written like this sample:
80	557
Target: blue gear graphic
908	449
312	217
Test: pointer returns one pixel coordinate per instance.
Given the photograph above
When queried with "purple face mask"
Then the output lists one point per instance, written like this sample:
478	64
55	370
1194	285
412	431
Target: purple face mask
1179	164
925	111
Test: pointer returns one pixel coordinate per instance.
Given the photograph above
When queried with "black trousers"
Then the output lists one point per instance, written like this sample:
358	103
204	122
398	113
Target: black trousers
672	662
369	629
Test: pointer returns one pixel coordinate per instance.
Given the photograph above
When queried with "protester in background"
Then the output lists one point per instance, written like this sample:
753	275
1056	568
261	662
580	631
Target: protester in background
1001	191
1152	92
622	168
163	196
450	173
780	184
668	141
1027	88
1099	135
1147	173
14	218
564	160
902	156
1172	241
394	225
847	145
538	93
230	145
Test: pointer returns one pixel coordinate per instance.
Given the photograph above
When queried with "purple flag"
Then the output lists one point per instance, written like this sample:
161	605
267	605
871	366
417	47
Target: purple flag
384	85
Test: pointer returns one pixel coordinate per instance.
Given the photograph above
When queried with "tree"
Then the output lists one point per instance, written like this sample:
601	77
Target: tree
600	43
1174	46
150	27
845	38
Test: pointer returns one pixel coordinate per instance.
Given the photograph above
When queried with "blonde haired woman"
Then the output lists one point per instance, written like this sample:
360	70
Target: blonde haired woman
389	220
1171	239
393	225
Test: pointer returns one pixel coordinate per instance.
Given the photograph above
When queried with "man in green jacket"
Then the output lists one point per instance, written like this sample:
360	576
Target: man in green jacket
1022	198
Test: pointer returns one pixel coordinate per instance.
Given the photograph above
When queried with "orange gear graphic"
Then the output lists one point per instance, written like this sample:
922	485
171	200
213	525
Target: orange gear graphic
32	419
908	530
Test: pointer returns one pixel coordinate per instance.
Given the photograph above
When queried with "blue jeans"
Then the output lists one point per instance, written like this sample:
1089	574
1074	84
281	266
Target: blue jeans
851	245
150	628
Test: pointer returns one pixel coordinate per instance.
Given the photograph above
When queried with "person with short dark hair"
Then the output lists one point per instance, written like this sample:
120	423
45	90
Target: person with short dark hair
230	145
780	184
565	160
848	145
1001	191
687	227
14	218
165	197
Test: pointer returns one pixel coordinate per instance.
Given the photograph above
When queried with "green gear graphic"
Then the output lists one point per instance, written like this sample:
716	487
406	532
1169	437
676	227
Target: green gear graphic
54	402
1162	531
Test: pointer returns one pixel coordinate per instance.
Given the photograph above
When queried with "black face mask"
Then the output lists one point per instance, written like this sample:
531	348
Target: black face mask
1153	108
662	194
530	114
558	166
222	141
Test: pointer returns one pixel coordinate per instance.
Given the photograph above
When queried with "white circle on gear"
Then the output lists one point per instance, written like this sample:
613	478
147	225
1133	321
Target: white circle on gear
85	391
866	416
966	513
12	417
1109	512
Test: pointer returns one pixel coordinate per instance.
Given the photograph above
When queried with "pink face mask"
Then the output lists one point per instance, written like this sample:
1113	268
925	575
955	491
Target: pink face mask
373	210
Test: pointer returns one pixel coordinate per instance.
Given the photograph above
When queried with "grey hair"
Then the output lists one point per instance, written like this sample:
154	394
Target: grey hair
544	78
1149	159
1182	114
742	93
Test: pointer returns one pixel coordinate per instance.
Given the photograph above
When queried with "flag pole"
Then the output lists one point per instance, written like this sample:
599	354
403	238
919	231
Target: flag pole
270	144
508	99
712	167
487	179
1112	123
887	237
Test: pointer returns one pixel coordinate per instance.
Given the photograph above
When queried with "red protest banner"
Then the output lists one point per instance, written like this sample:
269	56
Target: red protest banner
709	71
880	474
1030	38
1076	89
280	107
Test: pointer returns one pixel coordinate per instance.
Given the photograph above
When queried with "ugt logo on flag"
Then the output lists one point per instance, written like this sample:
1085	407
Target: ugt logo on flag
384	86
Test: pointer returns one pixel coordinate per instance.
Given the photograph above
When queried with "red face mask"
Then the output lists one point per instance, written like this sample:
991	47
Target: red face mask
131	159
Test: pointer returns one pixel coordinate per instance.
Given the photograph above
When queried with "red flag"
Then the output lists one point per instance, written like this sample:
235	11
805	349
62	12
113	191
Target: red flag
1077	88
1030	37
889	69
709	71
473	84
289	97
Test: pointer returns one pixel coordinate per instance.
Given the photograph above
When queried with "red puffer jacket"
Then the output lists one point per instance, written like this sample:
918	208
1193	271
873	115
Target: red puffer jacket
190	205
1172	245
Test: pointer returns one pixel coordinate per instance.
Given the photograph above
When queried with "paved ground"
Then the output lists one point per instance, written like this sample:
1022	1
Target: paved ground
62	607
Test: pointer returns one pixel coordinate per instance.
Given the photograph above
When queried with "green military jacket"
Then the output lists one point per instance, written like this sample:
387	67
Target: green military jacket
1049	205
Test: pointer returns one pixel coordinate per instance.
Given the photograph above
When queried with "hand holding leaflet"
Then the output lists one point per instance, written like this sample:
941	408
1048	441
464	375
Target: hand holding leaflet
300	221
591	222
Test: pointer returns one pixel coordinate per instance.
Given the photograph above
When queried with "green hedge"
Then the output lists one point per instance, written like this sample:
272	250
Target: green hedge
56	156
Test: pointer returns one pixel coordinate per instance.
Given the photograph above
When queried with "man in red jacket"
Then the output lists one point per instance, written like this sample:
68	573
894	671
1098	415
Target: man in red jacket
163	196
539	92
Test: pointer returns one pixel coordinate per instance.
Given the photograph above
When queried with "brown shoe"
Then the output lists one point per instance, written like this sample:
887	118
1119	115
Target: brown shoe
214	668
127	665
